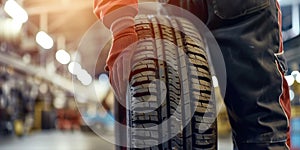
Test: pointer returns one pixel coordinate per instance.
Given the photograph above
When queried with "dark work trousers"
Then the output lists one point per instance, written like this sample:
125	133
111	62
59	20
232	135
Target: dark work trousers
257	95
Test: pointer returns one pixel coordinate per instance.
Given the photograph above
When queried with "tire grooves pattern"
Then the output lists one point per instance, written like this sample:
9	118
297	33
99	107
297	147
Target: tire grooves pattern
179	57
204	115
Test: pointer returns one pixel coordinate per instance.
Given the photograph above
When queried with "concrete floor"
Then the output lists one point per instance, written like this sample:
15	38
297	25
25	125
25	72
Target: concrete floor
55	140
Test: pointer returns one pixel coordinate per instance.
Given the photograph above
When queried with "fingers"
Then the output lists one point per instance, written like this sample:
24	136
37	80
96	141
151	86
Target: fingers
127	69
120	73
114	74
127	55
120	77
119	85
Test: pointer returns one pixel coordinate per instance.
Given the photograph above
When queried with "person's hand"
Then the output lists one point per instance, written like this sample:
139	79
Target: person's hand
119	61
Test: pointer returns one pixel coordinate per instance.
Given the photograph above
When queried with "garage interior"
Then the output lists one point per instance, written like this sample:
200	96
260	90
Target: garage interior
53	82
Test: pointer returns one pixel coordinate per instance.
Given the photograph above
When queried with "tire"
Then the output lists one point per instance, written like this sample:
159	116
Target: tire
170	95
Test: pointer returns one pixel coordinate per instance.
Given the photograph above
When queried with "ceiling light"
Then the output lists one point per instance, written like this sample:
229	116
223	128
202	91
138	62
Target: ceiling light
84	77
298	78
10	30
292	95
74	68
15	11
44	40
290	80
295	73
63	57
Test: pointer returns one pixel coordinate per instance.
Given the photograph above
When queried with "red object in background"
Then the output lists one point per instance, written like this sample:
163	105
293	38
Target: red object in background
68	119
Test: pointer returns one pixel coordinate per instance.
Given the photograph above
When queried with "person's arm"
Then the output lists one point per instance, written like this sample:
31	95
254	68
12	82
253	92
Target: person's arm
118	16
109	11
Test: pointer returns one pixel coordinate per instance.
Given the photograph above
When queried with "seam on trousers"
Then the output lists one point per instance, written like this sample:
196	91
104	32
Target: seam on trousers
280	101
279	18
280	51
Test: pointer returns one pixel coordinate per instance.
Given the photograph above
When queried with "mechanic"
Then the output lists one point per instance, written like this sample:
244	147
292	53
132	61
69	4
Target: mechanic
249	35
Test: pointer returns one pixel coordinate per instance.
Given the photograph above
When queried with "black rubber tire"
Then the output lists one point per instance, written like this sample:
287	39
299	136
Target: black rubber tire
170	82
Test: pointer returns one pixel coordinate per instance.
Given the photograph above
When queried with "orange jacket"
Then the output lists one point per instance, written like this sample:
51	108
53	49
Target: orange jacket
109	10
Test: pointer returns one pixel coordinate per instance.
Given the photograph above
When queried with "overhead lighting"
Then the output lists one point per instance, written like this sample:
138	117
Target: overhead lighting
290	80
15	11
103	78
84	77
102	86
295	73
298	78
292	95
63	57
44	40
10	30
74	68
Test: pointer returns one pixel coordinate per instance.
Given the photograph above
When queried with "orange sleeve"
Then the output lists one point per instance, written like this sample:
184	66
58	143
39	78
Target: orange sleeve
110	10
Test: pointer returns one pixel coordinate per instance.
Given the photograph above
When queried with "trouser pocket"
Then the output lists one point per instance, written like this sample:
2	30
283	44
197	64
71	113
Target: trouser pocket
231	9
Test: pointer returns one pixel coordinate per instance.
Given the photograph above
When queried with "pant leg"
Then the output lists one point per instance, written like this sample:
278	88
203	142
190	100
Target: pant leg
257	98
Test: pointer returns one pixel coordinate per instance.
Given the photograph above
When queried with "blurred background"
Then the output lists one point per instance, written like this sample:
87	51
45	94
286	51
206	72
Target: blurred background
43	56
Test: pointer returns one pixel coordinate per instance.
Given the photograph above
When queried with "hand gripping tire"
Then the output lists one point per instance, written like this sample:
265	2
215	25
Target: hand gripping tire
170	103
